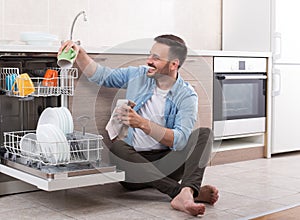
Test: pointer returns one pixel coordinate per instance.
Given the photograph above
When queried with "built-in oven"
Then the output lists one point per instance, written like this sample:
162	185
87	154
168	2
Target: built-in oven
239	96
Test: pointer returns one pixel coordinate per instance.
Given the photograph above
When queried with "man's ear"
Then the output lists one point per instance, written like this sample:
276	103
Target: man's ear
175	64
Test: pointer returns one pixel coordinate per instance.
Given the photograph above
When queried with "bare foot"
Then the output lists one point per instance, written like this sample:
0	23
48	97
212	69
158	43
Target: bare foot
208	194
184	202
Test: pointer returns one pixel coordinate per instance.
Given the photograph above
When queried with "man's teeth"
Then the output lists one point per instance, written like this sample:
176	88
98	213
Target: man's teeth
149	67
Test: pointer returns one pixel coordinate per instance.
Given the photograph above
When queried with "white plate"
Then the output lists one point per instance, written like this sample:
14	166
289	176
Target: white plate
38	38
46	141
52	142
28	145
69	122
62	119
58	116
39	42
49	116
63	148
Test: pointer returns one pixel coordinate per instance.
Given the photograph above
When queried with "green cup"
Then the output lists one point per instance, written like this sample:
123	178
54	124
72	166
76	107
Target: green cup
66	59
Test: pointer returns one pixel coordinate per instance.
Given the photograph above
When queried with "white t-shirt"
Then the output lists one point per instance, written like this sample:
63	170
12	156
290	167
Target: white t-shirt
153	110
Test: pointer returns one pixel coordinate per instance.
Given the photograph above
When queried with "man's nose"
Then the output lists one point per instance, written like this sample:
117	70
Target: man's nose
150	59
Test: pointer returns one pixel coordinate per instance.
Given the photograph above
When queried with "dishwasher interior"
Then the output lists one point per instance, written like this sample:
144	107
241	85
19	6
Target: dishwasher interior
65	161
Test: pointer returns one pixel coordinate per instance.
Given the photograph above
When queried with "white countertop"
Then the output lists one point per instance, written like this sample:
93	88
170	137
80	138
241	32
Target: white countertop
114	50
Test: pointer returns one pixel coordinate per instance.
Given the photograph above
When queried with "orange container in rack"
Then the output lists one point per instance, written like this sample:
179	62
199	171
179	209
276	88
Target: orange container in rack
50	78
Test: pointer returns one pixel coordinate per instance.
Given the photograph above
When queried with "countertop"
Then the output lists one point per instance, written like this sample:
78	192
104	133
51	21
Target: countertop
123	50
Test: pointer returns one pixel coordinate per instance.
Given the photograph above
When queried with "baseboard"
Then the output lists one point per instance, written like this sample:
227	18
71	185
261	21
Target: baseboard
236	155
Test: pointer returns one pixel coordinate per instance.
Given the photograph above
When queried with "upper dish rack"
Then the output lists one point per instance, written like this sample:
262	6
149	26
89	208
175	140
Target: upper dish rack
60	84
79	148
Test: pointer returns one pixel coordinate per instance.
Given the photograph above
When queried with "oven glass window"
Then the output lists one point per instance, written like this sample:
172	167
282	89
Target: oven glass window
241	99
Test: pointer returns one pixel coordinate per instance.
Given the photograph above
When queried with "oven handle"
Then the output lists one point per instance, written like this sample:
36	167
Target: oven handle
234	77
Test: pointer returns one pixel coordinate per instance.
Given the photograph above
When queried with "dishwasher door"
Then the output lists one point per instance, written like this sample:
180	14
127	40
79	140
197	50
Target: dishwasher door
63	180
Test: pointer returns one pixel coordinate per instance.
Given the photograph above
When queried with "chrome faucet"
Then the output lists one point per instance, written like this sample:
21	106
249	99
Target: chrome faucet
84	18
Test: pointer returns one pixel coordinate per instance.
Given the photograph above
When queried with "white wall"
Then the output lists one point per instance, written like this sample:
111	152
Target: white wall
113	22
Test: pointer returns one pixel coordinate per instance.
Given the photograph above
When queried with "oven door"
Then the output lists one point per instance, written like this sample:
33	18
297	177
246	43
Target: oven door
239	104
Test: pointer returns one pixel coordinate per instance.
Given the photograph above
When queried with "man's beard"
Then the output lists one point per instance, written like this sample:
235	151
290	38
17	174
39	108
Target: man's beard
163	72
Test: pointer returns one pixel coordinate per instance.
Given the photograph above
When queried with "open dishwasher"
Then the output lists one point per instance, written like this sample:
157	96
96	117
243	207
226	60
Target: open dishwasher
71	160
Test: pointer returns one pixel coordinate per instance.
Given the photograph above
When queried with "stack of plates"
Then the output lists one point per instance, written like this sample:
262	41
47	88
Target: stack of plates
58	116
53	125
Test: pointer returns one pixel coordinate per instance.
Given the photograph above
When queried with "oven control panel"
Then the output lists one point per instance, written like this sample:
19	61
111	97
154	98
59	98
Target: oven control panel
240	65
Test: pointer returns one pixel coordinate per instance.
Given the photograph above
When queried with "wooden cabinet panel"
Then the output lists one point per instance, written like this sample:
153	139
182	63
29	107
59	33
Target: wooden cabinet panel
118	60
199	73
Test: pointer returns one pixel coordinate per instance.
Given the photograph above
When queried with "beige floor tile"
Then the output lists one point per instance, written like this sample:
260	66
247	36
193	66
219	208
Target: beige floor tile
222	215
15	202
92	211
162	210
259	191
126	214
224	170
39	213
228	201
288	200
63	200
255	208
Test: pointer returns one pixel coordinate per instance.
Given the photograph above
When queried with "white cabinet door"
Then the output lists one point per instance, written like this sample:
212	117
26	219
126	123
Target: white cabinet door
246	25
286	109
286	33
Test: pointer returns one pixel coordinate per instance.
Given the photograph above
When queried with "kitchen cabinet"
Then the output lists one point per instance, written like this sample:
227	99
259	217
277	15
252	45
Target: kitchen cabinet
246	25
286	117
286	69
197	70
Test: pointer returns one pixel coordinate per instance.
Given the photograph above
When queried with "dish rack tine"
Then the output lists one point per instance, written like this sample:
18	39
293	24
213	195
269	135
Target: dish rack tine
83	121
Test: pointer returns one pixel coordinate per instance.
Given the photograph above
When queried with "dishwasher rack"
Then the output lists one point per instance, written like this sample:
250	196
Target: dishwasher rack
79	148
62	84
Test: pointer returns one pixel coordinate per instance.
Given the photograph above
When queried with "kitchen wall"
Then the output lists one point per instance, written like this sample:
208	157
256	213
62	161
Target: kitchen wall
114	22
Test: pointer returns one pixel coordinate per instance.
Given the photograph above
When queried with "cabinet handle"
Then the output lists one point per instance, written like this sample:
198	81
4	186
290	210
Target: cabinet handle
277	45
276	82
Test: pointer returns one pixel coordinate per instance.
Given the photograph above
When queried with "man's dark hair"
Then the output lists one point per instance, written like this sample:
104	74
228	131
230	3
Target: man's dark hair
178	49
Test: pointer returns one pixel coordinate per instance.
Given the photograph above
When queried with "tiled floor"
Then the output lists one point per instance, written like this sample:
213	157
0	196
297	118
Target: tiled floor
246	189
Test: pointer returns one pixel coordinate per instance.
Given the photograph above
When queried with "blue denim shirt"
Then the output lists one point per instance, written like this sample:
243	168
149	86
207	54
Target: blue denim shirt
181	103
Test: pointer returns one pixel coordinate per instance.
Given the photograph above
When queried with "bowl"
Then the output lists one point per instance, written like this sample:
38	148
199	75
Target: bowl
38	38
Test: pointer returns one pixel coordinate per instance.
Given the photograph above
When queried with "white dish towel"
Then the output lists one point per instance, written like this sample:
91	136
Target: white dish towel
114	127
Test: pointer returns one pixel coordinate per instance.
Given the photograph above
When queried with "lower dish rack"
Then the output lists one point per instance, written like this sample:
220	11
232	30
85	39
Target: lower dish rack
22	146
